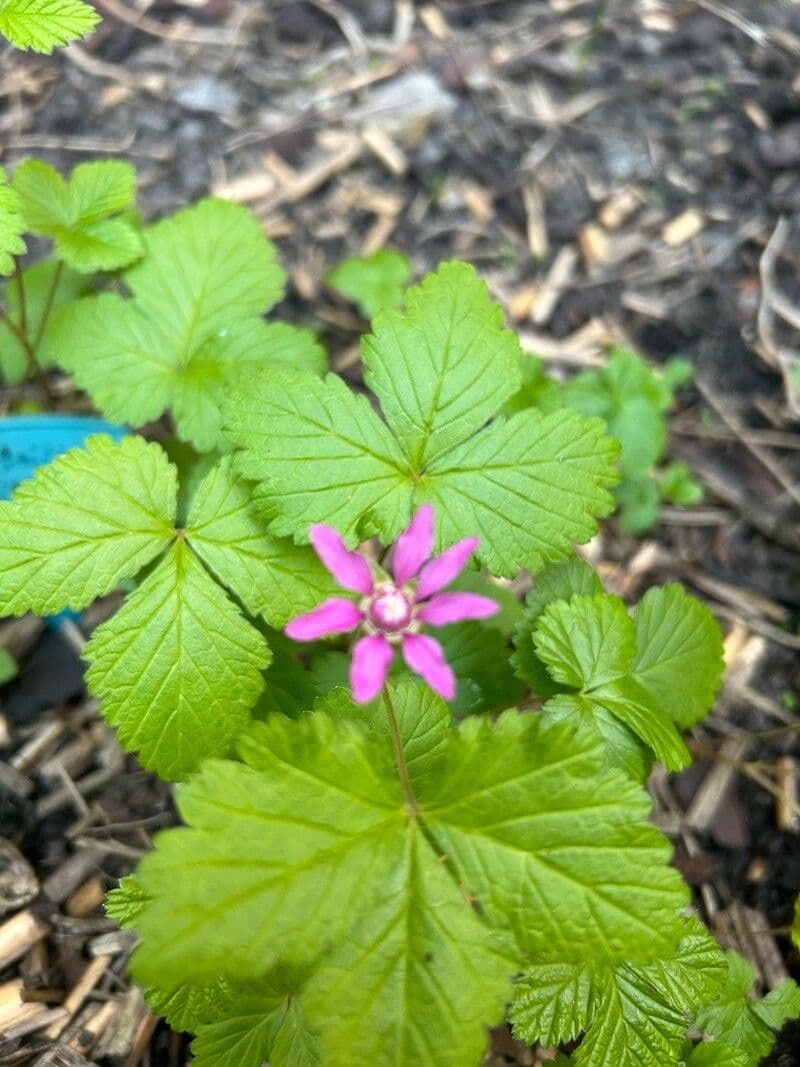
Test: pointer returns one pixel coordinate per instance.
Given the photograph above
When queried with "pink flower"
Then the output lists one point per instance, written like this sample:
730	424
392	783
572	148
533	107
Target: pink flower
391	610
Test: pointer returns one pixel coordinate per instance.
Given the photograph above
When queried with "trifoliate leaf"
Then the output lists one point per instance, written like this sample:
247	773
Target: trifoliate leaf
679	653
273	578
311	847
529	486
376	282
430	367
192	325
77	213
47	286
43	25
735	1019
177	668
12	224
717	1054
126	903
94	516
633	1016
589	643
331	459
558	581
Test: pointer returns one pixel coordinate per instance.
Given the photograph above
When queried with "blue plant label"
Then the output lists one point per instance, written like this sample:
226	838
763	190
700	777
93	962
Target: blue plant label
29	441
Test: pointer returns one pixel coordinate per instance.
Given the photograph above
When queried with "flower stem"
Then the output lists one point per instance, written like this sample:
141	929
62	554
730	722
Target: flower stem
399	754
48	307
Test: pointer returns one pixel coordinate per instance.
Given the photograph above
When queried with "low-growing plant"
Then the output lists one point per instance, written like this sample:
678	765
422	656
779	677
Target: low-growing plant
395	841
42	25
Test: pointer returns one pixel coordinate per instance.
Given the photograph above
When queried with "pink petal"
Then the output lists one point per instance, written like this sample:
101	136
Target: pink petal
442	570
334	616
445	608
413	546
348	568
426	657
372	658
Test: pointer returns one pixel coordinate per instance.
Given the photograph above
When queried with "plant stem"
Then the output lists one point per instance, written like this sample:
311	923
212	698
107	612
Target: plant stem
399	754
23	300
48	304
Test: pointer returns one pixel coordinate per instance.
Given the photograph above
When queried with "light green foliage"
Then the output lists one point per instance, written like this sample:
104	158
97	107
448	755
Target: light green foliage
652	673
537	389
632	1016
42	25
479	656
192	325
8	666
376	282
716	1054
178	668
125	903
736	1019
47	286
83	215
12	224
633	399
308	852
83	523
529	486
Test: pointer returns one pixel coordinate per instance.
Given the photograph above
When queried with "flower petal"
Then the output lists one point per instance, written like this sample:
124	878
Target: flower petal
426	656
372	658
334	616
445	608
413	546
348	568
442	570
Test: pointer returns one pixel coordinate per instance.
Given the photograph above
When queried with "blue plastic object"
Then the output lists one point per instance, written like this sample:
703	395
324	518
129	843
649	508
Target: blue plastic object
30	441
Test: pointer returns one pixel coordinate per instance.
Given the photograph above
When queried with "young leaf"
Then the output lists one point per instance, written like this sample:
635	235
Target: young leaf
12	224
528	486
126	903
177	668
376	282
47	286
589	644
188	1007
429	366
717	1054
311	843
192	325
633	1016
679	653
77	213
92	517
8	666
735	1019
43	25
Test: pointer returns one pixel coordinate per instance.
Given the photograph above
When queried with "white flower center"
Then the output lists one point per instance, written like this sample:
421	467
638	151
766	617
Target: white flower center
390	610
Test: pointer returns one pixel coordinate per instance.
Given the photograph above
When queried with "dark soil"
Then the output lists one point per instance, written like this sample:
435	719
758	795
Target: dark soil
523	127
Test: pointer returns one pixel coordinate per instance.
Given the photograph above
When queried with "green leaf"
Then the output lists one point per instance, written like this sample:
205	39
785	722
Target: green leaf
717	1054
42	25
479	657
192	325
273	578
376	282
633	1016
537	388
330	458
310	848
12	223
679	659
289	687
47	286
678	485
177	668
735	1019
589	644
529	486
430	369
77	213
639	502
94	516
189	1006
127	902
624	749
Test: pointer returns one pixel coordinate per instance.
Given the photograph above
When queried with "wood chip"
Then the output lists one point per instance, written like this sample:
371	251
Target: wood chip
259	185
434	21
385	150
533	199
786	778
88	980
18	881
86	898
558	278
19	934
594	244
682	228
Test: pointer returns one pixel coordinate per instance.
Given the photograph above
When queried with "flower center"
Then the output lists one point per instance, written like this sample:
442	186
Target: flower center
390	610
